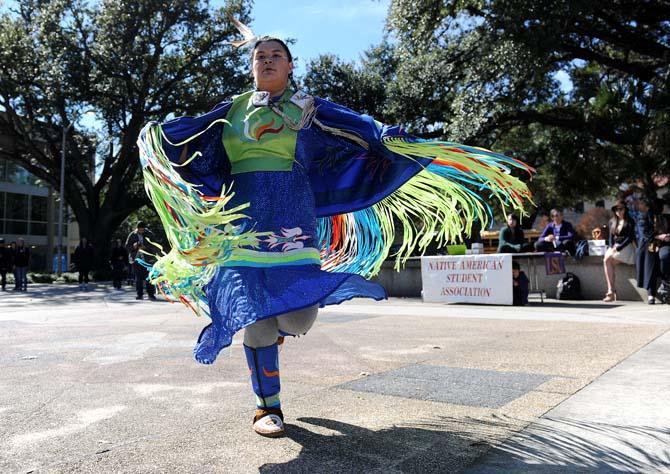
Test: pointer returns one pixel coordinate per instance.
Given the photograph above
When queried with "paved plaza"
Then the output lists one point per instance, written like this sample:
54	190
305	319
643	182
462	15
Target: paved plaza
99	382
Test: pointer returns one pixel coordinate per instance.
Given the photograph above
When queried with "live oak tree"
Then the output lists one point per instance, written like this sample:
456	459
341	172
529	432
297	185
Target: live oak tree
127	61
579	88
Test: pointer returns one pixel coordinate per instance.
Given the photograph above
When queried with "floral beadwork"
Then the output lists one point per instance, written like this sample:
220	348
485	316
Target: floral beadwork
290	239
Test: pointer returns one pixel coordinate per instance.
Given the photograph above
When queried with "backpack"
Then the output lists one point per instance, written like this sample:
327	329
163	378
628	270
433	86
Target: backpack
569	288
582	250
663	292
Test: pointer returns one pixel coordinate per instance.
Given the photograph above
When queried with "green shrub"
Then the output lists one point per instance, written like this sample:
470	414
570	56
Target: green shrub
41	277
68	277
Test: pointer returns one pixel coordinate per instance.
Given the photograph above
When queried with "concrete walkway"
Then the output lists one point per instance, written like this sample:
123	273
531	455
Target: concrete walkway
99	382
618	423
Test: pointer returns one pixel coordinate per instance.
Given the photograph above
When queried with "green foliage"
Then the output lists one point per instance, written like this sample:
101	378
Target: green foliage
129	62
42	277
486	72
67	277
362	87
46	278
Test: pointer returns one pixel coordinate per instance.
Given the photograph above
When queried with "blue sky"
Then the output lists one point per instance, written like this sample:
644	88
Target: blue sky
344	27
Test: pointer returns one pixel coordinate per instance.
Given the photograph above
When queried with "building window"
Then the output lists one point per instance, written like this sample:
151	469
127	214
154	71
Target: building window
38	228
16	227
38	215
17	206
38	208
13	173
23	214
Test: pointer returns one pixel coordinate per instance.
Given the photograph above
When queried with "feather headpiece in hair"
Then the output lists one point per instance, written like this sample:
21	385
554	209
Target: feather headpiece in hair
250	39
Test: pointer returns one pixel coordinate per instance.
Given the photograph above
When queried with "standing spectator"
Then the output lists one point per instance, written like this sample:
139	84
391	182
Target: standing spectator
511	239
21	263
620	246
661	245
631	197
84	256
557	236
136	242
12	252
520	284
5	264
646	257
119	263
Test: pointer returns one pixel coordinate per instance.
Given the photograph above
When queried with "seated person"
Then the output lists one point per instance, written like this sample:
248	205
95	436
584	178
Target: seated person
541	220
598	233
519	286
558	236
511	238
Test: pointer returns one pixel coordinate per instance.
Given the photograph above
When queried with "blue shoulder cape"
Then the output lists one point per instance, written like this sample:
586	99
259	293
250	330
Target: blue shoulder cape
372	184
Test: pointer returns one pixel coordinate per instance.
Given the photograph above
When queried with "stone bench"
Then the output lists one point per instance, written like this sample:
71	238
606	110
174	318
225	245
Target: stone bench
407	282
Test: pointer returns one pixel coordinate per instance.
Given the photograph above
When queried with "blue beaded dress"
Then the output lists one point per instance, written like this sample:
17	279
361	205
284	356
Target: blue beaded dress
275	207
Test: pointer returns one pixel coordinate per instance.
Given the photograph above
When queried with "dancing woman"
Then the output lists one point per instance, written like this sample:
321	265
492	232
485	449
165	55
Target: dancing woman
277	203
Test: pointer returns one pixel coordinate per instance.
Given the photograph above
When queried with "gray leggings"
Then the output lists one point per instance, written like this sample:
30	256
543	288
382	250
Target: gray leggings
264	333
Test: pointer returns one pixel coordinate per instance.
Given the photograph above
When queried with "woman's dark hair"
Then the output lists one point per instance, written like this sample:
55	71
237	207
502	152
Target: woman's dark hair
513	216
614	221
267	39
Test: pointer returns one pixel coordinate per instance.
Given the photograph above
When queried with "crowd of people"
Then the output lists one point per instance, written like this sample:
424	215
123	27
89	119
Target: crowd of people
558	235
126	262
639	236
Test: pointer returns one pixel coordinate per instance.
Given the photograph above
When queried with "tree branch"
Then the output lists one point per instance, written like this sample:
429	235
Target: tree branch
642	70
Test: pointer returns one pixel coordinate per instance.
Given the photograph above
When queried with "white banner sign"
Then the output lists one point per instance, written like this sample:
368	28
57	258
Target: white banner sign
484	279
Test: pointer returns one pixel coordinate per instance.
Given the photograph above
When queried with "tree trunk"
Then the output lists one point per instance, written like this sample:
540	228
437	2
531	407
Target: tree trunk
99	227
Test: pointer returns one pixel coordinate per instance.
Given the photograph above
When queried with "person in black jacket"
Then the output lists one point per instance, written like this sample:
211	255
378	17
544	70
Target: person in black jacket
5	264
646	260
21	264
520	285
661	247
84	256
119	263
621	248
511	239
137	243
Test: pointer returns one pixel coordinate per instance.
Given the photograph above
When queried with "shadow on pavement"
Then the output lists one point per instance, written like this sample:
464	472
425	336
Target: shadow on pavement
357	449
567	445
578	305
453	445
44	294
